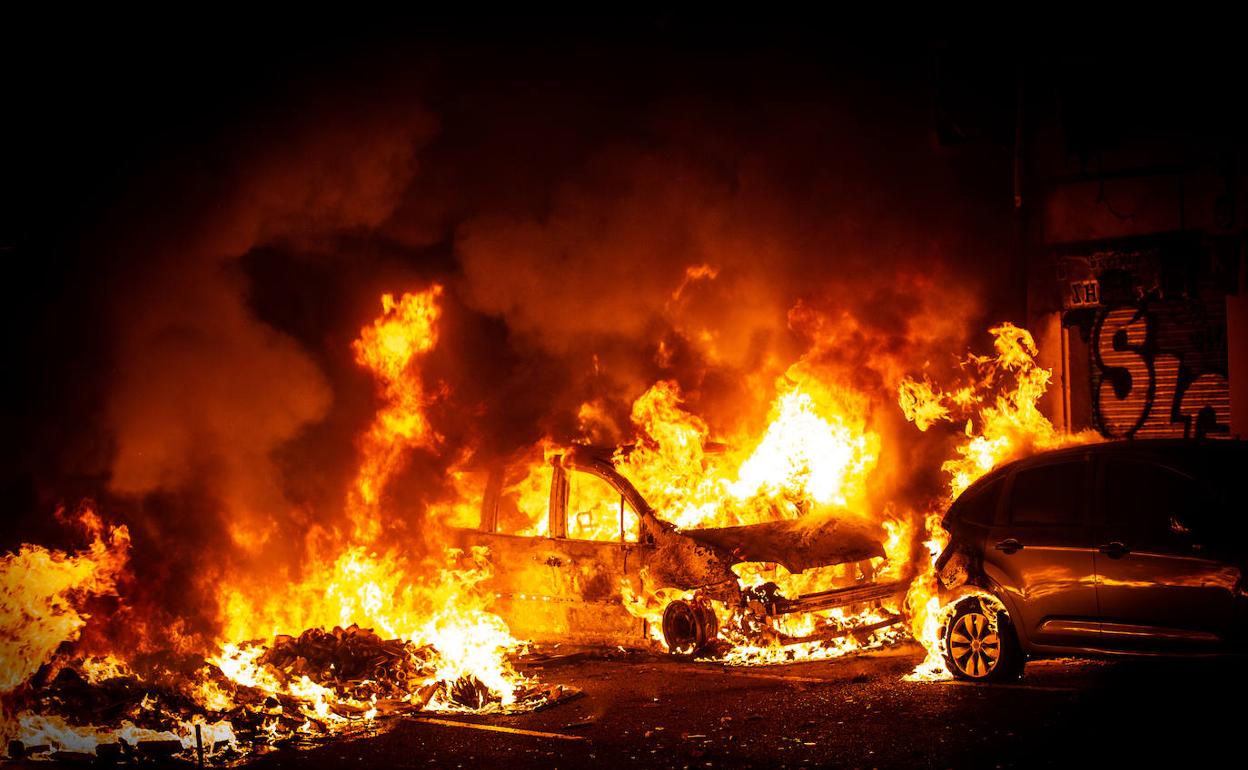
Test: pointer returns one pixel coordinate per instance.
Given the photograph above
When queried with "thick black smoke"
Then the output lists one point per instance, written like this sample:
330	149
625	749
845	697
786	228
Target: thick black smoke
656	204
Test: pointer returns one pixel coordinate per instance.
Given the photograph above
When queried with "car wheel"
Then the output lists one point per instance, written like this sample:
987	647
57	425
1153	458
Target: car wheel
689	626
979	643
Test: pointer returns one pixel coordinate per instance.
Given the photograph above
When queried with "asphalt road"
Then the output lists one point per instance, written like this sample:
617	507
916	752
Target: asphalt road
650	711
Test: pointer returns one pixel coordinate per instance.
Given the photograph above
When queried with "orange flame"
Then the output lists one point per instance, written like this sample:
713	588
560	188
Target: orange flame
353	584
815	452
813	458
438	607
41	594
388	349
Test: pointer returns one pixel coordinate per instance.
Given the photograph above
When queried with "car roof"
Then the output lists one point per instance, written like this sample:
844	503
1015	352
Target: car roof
1159	448
1151	446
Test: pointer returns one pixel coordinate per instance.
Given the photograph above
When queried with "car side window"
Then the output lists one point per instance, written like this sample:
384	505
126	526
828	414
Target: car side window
980	506
1151	506
597	511
524	502
1049	496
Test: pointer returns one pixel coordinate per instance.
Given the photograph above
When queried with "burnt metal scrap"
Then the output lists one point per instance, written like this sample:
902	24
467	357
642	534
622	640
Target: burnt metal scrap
354	662
680	561
796	544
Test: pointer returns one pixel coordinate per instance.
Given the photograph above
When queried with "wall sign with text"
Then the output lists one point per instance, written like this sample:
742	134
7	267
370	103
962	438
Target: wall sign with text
1132	274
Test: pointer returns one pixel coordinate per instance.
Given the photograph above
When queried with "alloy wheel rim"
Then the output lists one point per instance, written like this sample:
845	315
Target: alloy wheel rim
974	646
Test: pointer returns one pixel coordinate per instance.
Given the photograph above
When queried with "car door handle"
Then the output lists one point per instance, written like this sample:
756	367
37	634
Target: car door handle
1009	546
1114	550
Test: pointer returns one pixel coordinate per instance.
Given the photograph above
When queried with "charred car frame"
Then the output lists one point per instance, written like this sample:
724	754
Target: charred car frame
555	587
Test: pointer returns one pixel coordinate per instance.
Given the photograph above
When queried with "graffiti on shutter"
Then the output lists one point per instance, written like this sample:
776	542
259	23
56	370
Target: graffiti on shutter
1159	369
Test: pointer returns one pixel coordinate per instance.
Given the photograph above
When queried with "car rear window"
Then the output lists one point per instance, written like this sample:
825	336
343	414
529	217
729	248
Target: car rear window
1221	471
1050	495
1151	505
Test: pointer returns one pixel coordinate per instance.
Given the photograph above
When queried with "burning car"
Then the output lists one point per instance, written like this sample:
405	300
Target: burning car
1130	547
570	578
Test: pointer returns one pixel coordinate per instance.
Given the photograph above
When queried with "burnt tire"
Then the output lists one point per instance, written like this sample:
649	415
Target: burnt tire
689	626
979	643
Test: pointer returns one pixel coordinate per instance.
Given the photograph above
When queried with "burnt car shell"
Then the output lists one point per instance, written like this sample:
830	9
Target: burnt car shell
557	588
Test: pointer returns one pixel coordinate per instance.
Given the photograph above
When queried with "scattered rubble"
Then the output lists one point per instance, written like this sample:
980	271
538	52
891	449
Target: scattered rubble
353	678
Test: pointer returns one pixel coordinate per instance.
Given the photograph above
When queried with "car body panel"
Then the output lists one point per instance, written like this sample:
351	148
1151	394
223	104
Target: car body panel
554	589
1156	584
796	544
1050	580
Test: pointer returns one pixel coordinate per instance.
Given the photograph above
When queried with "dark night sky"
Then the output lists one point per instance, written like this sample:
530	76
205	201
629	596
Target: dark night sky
114	136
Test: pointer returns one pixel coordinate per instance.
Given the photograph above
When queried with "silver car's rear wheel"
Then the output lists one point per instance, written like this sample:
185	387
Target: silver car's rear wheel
974	645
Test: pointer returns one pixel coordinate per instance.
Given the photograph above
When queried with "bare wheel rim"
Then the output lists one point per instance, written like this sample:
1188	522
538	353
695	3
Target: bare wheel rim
974	646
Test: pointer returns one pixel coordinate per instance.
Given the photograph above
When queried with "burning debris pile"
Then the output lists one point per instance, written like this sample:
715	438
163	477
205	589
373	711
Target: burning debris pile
354	662
60	701
67	692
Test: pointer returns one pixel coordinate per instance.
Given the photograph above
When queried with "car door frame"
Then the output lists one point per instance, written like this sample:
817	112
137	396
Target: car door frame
1068	631
576	608
1135	634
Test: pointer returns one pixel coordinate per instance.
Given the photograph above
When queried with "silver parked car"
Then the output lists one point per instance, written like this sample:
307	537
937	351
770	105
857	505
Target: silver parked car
1129	547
